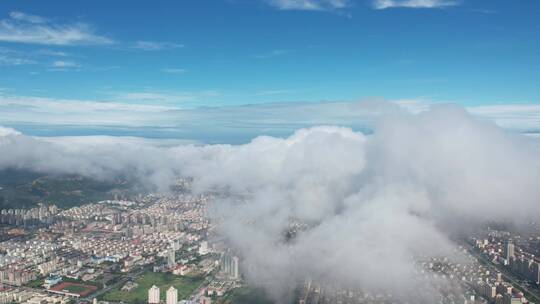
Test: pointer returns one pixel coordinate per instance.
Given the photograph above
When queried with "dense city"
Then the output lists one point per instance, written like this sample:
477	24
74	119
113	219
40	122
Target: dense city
164	249
147	250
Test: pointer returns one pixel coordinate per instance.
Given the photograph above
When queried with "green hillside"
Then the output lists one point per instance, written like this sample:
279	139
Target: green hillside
23	189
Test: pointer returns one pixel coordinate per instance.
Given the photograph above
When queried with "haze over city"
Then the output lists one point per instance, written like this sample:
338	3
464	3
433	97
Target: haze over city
269	151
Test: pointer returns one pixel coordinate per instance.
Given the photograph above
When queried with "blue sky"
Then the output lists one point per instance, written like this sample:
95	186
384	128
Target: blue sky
187	55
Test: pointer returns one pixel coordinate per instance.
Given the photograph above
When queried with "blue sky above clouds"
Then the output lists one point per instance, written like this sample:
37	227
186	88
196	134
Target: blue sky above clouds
161	68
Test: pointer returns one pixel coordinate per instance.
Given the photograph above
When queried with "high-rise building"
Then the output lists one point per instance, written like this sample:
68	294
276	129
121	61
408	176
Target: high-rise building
117	218
235	274
153	295
508	250
535	272
172	295
230	265
171	258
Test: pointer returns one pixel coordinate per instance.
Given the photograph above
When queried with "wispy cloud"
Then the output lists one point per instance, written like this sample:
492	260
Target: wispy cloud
6	60
29	109
25	28
13	58
52	53
174	70
273	53
309	5
163	97
180	99
27	17
156	45
65	64
385	4
485	11
271	92
151	96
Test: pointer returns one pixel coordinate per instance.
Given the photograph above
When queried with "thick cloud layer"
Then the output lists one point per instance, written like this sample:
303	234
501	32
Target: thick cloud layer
368	205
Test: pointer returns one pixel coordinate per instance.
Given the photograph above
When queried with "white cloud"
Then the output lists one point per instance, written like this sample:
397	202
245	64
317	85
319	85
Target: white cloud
370	202
23	28
521	117
514	116
156	45
95	140
309	5
384	4
8	131
414	105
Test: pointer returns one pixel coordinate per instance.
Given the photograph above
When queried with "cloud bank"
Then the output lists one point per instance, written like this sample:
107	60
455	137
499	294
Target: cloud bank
371	204
374	203
179	115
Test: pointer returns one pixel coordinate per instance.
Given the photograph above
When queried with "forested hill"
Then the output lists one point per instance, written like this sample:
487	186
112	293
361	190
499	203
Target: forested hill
23	189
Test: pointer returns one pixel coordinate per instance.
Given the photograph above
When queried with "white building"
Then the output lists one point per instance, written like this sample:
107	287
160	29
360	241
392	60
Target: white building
172	295
203	248
153	295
